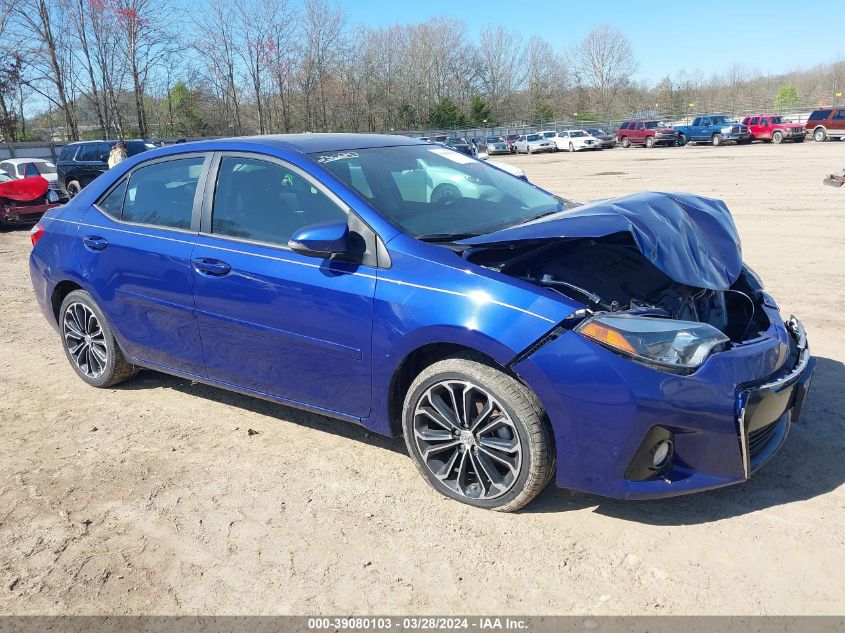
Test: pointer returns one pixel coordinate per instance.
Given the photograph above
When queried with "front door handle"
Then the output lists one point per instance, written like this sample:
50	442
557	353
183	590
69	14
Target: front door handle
95	243
213	267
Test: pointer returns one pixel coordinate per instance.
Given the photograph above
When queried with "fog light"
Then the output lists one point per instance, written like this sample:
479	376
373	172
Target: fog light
661	454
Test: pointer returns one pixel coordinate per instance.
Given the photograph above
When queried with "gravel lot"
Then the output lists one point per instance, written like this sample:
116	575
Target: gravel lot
154	498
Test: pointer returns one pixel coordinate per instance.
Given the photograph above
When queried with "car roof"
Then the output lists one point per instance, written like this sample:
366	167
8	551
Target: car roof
18	161
310	143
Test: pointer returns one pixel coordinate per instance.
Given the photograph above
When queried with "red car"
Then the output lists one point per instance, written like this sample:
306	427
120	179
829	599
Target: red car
23	200
773	128
645	132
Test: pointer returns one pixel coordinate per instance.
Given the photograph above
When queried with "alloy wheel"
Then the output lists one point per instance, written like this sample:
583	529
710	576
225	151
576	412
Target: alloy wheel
85	340
467	440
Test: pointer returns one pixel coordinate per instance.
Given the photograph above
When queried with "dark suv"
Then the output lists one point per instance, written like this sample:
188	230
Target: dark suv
79	163
827	123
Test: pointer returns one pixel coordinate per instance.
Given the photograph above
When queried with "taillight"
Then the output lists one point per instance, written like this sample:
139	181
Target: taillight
35	233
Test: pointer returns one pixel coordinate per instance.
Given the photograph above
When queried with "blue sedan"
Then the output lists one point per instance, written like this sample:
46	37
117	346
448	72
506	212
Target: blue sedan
513	337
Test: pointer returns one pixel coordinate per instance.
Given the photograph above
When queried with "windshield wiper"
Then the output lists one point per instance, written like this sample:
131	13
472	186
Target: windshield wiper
446	237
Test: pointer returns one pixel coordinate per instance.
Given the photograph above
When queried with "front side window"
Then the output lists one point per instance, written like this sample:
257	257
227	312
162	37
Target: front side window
754	121
640	126
89	152
162	194
764	122
434	193
67	152
264	201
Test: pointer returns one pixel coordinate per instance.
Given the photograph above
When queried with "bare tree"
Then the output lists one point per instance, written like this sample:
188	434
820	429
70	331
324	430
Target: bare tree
499	56
604	61
39	22
145	41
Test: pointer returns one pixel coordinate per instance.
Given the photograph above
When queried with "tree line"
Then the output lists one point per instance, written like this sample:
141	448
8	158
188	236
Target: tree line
159	68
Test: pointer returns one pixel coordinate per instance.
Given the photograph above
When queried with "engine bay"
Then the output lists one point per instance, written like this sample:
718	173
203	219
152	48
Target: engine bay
610	274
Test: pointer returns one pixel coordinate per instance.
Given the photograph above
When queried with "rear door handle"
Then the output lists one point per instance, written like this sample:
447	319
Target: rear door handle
95	243
213	267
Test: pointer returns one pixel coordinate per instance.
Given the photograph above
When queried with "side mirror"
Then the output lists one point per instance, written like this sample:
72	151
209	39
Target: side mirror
321	240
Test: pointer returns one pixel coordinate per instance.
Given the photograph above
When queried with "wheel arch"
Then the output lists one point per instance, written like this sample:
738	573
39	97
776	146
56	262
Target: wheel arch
60	291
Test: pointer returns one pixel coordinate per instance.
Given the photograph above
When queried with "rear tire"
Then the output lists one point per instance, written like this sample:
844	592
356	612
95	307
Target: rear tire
457	448
89	342
820	135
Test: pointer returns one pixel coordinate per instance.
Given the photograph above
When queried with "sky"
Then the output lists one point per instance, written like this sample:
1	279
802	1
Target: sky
710	35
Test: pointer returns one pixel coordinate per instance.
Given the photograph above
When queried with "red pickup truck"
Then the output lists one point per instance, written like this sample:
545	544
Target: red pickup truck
773	128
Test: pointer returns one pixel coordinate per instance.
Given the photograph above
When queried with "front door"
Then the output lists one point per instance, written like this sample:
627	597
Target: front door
271	320
136	256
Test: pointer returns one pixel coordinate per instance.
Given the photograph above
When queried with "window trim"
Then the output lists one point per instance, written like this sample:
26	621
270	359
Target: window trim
196	208
206	218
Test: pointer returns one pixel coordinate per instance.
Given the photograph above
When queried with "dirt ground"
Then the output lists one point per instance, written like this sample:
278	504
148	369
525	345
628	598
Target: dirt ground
152	498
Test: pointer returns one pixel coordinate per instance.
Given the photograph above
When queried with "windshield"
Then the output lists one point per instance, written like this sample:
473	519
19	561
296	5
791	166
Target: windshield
718	120
650	125
596	132
532	137
456	141
777	119
494	139
577	133
4	177
437	194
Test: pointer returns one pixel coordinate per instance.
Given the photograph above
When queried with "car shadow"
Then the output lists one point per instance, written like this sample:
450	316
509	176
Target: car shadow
280	412
809	464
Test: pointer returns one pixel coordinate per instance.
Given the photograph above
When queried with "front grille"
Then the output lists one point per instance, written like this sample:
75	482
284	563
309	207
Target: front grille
760	438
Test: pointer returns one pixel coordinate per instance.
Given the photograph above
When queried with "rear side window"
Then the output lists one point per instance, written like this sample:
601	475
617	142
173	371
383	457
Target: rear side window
68	152
112	203
162	194
819	115
266	202
839	116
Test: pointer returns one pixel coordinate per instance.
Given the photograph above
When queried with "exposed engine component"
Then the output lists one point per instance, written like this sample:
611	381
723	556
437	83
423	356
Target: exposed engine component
611	274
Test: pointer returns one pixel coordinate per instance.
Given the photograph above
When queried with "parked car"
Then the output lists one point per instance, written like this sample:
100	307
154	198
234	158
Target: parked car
773	128
24	200
620	348
459	145
80	163
549	134
645	132
533	143
715	129
511	140
30	167
608	141
827	123
494	145
575	140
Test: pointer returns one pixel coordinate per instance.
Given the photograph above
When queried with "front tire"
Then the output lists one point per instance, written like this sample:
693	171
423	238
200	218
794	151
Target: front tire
625	142
777	138
682	140
649	142
477	435
89	342
571	147
717	140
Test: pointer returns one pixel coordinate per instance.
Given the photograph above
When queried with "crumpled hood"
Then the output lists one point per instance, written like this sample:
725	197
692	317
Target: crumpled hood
25	189
692	239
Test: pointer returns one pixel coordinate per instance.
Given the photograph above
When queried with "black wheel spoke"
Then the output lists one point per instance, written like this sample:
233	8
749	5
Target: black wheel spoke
84	340
467	440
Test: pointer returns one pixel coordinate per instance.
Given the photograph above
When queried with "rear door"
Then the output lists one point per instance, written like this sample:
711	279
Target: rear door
136	256
837	122
274	321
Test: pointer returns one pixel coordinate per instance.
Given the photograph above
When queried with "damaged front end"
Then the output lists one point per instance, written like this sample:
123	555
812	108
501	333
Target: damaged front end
25	200
678	355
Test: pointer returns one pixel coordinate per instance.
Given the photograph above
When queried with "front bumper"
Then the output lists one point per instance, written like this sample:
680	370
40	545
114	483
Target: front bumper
736	136
602	407
21	214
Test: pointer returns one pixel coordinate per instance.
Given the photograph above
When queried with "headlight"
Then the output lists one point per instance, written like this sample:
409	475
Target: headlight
726	130
680	346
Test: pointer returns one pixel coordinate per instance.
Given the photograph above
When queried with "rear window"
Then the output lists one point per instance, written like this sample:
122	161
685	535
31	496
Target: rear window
818	115
162	194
